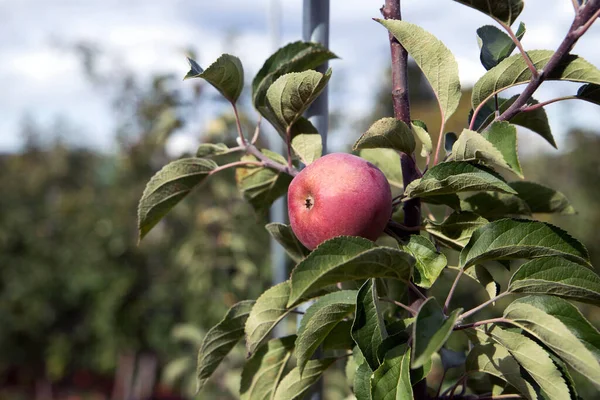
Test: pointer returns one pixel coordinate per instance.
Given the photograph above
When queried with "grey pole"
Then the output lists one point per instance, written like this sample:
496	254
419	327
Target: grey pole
278	209
315	28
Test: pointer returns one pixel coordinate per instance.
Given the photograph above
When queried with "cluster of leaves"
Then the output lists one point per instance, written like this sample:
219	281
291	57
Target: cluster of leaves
355	287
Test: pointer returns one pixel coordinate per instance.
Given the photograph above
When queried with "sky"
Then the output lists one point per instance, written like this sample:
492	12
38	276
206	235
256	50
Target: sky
40	78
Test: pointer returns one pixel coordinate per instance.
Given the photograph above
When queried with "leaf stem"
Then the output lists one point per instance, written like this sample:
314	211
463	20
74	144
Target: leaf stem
235	165
482	322
401	305
238	124
267	162
256	131
586	15
452	289
517	42
532	107
472	311
417	291
439	142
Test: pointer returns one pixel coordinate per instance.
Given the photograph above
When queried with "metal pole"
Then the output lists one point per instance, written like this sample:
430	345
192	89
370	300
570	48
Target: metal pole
278	209
315	28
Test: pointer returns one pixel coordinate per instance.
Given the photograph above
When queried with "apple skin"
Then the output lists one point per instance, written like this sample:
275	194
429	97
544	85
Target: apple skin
339	194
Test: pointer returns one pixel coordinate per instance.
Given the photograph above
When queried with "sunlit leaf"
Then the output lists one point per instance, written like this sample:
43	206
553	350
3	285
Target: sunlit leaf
503	136
429	262
392	379
420	130
433	58
388	161
387	133
368	329
294	385
306	141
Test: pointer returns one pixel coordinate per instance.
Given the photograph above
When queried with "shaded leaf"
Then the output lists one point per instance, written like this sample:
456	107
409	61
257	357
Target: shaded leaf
433	58
542	199
368	329
284	235
291	94
429	262
220	339
503	11
496	45
211	149
295	385
347	258
560	326
493	359
261	186
451	358
362	382
494	205
449	139
319	321
226	75
263	371
589	92
534	359
430	331
456	230
514	71
454	177
167	187
482	276
340	337
387	133
558	277
392	379
512	239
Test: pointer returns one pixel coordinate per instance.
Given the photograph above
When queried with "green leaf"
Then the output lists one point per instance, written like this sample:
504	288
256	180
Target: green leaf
388	161
454	177
291	94
362	382
589	92
211	149
483	277
508	239
495	360
542	199
269	309
433	58
456	230
429	262
295	385
560	326
503	11
493	205
392	379
263	371
319	321
535	120
347	258
339	338
430	331
420	130
306	141
167	187
220	339
503	136
534	359
284	235
226	75
368	329
514	71
473	146
496	45
557	277
261	186
294	57
387	133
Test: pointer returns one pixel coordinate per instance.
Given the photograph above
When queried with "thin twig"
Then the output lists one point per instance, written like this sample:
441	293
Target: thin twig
452	388
517	42
256	130
483	322
238	124
417	291
452	289
401	305
532	107
482	306
251	149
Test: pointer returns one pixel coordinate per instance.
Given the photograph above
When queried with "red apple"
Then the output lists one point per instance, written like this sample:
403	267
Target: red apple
339	194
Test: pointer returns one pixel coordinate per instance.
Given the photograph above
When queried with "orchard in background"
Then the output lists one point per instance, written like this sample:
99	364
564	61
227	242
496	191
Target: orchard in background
373	308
